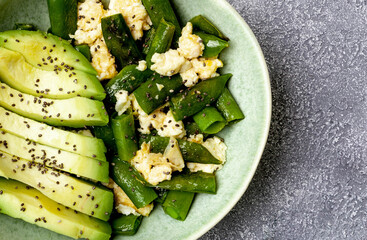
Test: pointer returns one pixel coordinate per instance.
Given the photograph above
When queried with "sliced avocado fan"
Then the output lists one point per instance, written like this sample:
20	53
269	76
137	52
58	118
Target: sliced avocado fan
39	47
72	192
50	136
21	201
19	74
73	112
55	158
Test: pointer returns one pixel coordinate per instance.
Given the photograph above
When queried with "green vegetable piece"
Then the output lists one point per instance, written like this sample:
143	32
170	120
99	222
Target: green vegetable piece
63	17
128	79
228	106
77	194
119	40
19	74
20	201
25	26
162	194
36	46
177	204
210	120
55	158
213	45
191	182
162	9
105	133
150	97
124	132
191	152
162	40
74	112
195	99
126	225
148	39
201	23
85	50
129	179
193	129
54	137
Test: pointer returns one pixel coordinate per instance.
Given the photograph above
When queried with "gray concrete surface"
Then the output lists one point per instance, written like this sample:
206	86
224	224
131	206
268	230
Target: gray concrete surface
311	182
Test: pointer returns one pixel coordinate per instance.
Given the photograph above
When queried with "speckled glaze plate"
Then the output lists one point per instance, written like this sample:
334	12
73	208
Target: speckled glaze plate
245	140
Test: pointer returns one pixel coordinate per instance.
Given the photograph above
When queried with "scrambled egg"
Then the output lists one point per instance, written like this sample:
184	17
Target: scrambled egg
123	101
159	86
215	146
102	60
142	65
89	28
190	45
188	75
206	68
168	63
186	60
158	167
198	138
163	122
124	205
135	15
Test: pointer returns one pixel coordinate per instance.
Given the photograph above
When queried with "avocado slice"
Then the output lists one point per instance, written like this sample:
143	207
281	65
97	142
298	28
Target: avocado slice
36	45
19	74
72	192
51	136
54	158
73	112
21	201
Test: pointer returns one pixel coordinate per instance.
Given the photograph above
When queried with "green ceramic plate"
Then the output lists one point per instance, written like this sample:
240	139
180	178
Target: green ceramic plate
246	140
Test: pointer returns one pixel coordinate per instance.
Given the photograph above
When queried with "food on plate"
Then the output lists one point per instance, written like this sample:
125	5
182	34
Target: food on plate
110	114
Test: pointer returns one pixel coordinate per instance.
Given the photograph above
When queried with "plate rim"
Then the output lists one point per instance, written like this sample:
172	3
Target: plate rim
268	96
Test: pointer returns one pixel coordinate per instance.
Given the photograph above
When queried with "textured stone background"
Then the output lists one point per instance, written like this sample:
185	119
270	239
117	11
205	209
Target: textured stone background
311	181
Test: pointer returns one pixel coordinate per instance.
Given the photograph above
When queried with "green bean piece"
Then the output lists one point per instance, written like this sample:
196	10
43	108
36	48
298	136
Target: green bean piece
229	108
193	129
210	120
213	45
158	9
202	23
193	100
162	40
190	182
119	40
106	134
63	17
25	26
148	39
177	204
191	152
150	97
124	132
84	49
126	225
128	79
162	194
130	181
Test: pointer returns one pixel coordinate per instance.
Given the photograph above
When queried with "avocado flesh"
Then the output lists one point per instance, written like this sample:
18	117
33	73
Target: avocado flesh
36	45
73	112
20	201
42	133
72	192
52	157
19	74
